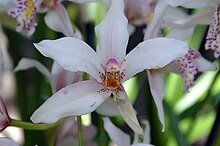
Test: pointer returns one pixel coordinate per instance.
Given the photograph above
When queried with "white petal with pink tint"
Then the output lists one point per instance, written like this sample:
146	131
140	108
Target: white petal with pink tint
7	142
186	68
152	54
61	77
189	65
203	17
67	133
112	33
117	136
58	20
26	63
185	33
4	117
129	114
73	100
157	88
204	65
108	108
154	26
73	55
147	130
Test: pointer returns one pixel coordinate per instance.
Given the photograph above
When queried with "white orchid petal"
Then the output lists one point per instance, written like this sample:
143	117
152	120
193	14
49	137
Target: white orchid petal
26	63
146	131
203	17
77	34
58	20
154	26
193	3
152	54
73	55
3	40
117	135
66	132
76	99
112	33
157	89
4	117
3	108
108	108
7	142
129	114
185	33
204	65
61	77
173	13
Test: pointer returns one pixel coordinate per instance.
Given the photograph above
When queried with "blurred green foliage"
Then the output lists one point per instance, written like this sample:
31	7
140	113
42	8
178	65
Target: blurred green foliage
189	116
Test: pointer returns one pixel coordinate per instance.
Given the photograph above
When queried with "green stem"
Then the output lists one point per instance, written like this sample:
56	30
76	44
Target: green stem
102	140
79	126
31	126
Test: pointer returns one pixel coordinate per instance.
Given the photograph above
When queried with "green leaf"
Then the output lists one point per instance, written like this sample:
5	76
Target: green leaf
174	126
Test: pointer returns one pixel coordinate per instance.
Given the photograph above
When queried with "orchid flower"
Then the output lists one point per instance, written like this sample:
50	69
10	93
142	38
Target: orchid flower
67	134
123	139
7	142
109	67
57	18
139	12
187	66
209	15
139	9
59	78
167	16
4	117
24	13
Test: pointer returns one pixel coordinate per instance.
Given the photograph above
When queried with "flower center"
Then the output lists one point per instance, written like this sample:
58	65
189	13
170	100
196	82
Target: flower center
112	78
24	13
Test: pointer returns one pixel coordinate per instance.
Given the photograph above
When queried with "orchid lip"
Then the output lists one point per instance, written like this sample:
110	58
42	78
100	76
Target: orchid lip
112	77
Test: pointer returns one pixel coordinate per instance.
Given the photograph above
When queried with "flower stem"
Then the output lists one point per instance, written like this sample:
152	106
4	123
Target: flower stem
31	126
79	126
102	141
